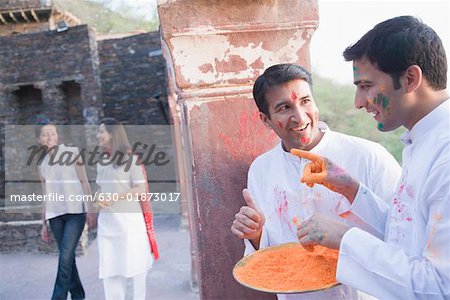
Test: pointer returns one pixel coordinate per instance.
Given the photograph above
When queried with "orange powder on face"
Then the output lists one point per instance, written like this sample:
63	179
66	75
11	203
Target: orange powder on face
289	268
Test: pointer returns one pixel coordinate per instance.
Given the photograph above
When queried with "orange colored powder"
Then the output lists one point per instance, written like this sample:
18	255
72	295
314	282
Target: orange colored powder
289	268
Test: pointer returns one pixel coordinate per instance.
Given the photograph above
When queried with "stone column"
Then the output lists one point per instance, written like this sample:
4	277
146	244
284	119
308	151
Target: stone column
214	52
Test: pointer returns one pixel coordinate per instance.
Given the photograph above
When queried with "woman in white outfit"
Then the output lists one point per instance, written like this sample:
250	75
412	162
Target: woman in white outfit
123	237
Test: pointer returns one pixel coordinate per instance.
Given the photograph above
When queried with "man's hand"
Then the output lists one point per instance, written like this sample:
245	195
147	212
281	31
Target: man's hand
321	230
322	171
249	221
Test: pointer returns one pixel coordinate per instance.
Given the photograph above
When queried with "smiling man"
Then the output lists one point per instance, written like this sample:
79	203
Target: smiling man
400	70
276	200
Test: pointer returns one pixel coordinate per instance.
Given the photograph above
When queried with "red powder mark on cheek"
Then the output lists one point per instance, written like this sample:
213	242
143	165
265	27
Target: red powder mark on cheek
293	96
305	140
279	124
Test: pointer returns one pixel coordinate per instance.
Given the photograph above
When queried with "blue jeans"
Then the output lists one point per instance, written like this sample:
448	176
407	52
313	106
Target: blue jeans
67	230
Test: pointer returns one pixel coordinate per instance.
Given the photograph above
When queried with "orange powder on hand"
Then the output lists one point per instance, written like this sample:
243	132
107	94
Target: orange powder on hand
289	268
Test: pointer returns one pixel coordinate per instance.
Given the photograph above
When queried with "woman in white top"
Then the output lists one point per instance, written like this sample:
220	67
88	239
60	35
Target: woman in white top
124	248
65	213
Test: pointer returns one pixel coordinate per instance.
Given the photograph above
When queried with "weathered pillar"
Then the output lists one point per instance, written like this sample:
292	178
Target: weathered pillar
214	52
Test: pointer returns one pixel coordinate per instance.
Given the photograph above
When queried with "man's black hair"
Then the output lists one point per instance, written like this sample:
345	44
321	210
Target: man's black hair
398	43
274	76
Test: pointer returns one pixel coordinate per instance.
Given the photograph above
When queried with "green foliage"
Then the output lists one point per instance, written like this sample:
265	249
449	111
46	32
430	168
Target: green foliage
104	20
336	105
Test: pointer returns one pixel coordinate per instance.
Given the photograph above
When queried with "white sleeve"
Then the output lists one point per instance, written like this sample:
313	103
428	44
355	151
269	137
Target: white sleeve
385	175
137	171
371	209
388	271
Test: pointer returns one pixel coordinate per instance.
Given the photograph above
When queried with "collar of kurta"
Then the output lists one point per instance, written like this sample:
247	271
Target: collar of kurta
423	127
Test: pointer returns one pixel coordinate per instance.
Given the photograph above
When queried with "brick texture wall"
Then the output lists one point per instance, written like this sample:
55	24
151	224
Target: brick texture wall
133	79
47	62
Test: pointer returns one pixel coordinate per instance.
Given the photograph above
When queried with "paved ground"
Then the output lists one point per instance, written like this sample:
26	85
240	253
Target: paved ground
31	276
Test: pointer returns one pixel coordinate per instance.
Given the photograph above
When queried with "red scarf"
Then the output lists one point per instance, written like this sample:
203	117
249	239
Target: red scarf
148	217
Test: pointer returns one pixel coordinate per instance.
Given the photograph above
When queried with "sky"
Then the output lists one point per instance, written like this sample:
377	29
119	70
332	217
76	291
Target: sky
342	23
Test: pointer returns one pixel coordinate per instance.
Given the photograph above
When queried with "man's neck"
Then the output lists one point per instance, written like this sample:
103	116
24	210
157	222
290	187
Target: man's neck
426	103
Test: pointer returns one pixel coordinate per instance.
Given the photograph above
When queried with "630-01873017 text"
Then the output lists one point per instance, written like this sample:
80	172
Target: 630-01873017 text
162	197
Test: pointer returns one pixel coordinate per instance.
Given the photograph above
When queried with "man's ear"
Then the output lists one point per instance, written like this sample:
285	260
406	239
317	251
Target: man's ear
265	119
413	78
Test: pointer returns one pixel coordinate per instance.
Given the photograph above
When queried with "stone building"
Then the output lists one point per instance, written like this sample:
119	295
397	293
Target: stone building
56	68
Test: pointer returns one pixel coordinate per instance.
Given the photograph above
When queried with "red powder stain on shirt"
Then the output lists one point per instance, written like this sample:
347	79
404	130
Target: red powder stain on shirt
398	205
400	190
410	191
282	206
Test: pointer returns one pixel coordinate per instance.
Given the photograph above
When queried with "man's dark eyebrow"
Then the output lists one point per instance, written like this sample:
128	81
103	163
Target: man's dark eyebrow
286	101
281	103
356	82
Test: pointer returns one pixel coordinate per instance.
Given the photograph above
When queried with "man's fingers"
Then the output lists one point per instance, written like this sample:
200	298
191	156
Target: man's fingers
303	228
249	221
237	232
312	168
305	154
307	243
250	201
310	177
242	231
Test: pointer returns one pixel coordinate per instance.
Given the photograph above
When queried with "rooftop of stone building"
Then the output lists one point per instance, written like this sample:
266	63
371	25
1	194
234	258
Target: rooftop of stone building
25	16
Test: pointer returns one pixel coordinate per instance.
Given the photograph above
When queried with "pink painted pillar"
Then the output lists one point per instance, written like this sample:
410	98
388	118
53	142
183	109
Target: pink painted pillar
214	51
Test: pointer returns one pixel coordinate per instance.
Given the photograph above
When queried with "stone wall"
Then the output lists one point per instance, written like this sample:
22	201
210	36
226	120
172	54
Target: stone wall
46	67
25	236
133	79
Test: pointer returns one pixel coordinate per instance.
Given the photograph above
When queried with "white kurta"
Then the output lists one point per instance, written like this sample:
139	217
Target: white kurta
123	243
274	181
62	181
413	261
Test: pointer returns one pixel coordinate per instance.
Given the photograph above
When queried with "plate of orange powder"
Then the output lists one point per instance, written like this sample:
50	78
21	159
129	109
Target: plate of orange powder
288	269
